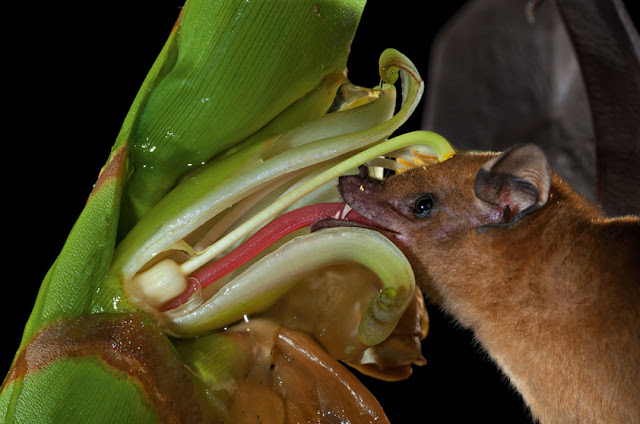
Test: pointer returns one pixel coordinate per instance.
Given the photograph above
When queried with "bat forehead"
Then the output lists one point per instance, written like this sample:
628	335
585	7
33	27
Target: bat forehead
453	176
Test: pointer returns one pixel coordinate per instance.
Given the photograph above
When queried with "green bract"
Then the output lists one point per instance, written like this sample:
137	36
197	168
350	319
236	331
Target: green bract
227	71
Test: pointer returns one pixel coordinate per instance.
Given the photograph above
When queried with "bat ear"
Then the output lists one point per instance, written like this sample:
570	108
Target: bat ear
517	181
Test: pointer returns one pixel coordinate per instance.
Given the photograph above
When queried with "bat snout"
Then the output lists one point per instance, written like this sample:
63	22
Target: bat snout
364	195
356	188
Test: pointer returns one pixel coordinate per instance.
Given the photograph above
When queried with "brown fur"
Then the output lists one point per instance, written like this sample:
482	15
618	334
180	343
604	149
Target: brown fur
553	297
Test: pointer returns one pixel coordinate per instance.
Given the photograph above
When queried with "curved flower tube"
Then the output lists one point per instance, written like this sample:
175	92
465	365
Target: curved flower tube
258	242
268	280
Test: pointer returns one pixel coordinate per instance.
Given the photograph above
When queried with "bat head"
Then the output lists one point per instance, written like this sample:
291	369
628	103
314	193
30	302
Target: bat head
434	211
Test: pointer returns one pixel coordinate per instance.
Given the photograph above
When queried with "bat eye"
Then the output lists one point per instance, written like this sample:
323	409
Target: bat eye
423	204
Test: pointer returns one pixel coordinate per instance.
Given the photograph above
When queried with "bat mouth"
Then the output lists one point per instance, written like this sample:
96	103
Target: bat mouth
351	218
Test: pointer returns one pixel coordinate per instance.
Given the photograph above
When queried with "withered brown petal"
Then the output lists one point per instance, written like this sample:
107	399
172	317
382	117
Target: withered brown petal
316	387
290	378
392	359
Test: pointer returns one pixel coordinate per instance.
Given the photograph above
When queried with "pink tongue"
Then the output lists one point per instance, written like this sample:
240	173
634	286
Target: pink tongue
269	234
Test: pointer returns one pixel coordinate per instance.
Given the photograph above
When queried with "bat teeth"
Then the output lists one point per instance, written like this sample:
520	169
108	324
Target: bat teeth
345	211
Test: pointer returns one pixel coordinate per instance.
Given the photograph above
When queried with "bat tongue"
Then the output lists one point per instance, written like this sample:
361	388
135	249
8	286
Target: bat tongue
348	218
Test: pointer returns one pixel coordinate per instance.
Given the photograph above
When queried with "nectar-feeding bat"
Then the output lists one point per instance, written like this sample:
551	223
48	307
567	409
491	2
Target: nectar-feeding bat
549	286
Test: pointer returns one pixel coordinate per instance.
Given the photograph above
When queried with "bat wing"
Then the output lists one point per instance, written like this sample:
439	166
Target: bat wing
568	81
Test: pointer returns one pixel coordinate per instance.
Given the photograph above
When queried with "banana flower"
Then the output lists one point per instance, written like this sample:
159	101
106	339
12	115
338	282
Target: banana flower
190	288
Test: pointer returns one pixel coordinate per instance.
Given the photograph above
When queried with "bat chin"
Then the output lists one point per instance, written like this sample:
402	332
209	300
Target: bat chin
333	223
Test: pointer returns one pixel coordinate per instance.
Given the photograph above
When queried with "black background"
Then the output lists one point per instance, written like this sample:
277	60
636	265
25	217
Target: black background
74	70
